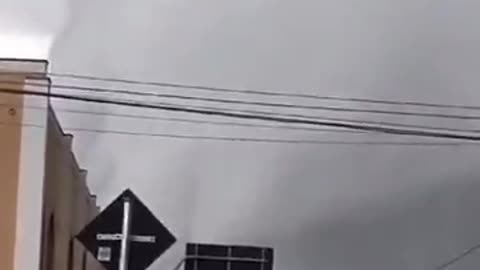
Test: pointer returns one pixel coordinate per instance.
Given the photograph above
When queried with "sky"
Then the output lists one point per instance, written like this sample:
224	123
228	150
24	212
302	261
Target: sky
321	207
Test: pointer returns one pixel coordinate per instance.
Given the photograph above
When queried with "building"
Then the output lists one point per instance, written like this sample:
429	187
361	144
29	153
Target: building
44	198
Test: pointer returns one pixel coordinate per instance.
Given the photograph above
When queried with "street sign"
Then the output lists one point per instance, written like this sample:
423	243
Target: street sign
148	237
225	257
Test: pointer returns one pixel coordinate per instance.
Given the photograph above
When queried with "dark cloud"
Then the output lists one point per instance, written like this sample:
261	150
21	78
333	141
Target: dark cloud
321	207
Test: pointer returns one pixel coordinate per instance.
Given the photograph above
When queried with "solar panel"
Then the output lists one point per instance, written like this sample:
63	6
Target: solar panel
225	257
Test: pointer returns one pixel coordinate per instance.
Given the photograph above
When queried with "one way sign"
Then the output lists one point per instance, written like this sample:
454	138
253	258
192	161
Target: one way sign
147	236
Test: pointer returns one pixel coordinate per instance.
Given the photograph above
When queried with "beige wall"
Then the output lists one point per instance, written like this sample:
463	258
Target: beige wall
22	151
41	184
10	141
67	200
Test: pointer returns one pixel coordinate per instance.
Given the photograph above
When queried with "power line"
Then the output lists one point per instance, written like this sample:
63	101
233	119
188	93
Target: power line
254	103
458	258
263	92
372	128
252	139
383	123
186	120
193	121
219	123
281	141
302	116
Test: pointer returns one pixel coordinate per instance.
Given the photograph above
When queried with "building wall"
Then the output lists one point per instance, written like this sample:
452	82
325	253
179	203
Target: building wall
31	172
10	141
68	203
44	198
22	150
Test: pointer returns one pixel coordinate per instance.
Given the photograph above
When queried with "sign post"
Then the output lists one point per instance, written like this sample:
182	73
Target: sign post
124	248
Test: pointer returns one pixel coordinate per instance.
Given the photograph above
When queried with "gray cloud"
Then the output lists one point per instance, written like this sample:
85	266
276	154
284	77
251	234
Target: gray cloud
321	207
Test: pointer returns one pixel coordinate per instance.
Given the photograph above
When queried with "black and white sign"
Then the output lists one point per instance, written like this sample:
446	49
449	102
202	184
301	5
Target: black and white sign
149	238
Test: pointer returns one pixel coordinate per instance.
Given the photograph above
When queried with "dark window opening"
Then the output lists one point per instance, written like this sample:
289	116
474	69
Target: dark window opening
70	255
84	261
50	251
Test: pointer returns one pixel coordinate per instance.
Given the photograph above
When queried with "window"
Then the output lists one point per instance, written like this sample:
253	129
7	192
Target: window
50	256
70	255
84	261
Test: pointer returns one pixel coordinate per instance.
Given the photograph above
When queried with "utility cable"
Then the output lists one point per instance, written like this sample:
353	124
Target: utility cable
384	123
261	92
194	121
372	128
185	120
239	124
243	102
458	258
252	139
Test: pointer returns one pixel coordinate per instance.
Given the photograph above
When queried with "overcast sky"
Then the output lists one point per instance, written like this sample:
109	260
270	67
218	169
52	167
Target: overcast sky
320	207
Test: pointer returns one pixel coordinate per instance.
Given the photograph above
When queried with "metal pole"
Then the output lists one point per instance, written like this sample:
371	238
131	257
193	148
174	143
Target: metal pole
124	248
